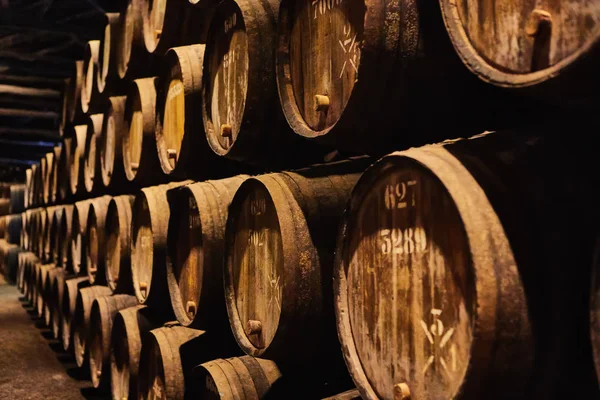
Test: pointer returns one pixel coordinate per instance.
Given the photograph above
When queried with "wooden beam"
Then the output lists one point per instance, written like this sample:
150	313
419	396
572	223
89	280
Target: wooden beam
15	112
29	92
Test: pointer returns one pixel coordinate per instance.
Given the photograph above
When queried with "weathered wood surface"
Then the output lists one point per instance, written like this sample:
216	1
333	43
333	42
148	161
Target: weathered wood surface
140	158
73	93
107	53
279	248
111	144
195	240
54	231
78	157
367	74
104	310
91	168
64	170
78	231
243	377
95	238
442	265
129	326
69	301
118	244
524	43
81	321
89	88
149	227
64	238
133	61
46	178
57	291
54	174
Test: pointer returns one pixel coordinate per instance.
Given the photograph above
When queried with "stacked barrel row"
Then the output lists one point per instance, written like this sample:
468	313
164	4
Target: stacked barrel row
12	206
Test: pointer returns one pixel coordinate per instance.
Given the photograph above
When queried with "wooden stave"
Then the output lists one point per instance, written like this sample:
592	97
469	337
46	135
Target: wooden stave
48	299
96	220
81	321
76	166
136	62
53	233
106	70
39	233
54	174
46	234
91	169
284	191
148	171
130	326
11	263
119	208
41	173
47	185
64	172
69	301
468	153
13	228
104	310
28	185
151	204
64	238
42	275
113	176
58	286
17	197
209	311
89	88
78	230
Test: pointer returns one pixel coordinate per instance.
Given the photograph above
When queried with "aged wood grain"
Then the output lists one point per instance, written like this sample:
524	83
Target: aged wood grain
111	143
107	52
90	70
118	254
91	168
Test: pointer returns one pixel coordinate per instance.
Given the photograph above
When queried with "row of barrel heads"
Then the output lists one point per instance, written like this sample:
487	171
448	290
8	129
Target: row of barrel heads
431	267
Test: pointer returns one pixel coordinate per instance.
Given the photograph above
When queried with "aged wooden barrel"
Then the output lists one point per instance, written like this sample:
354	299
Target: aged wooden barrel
140	158
89	88
353	394
64	170
78	242
31	200
73	93
38	234
32	294
40	284
104	310
118	250
64	254
28	259
28	186
54	175
149	227
17	198
181	147
81	321
13	228
353	72
56	298
558	44
167	357
129	327
111	144
69	301
54	231
91	169
107	52
243	377
240	107
39	186
49	300
47	178
11	263
95	240
25	230
78	157
133	61
279	244
443	271
169	23
47	235
198	214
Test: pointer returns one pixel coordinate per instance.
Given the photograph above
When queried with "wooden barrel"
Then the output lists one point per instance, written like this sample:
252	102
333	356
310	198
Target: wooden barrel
49	303
89	88
32	293
40	283
279	244
17	198
243	377
353	394
13	228
81	321
78	157
198	214
351	73
73	94
54	231
47	236
11	263
54	175
167	357
95	240
129	327
40	228
149	227
240	107
64	170
31	200
443	271
69	301
56	297
63	258
91	169
111	144
140	158
39	187
47	178
118	250
28	187
558	44
107	52
27	260
133	61
169	23
78	230
104	310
